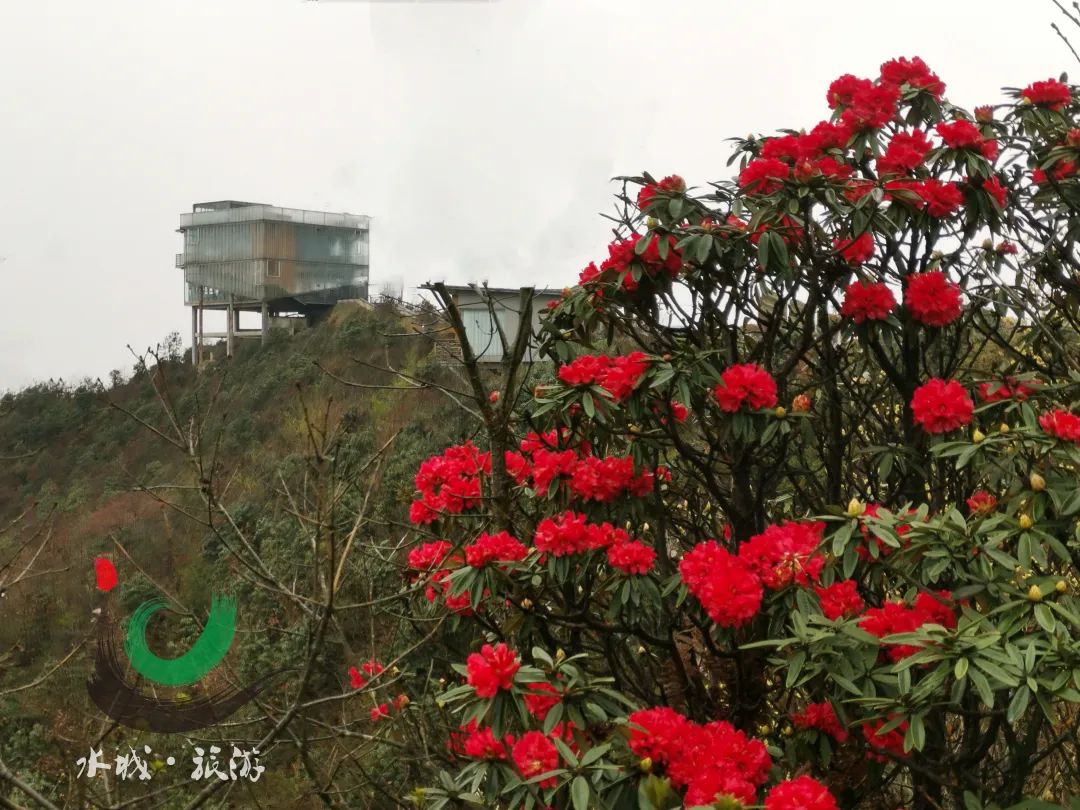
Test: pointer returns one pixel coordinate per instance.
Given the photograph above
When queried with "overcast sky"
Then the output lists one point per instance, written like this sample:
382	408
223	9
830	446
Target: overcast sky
480	136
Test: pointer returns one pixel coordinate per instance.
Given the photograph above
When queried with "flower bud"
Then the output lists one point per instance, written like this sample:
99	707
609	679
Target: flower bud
988	244
560	655
1004	428
651	223
978	436
984	113
1035	593
855	508
645	765
780	412
640	650
1026	522
1037	482
1061	586
788	731
801	403
526	604
493	396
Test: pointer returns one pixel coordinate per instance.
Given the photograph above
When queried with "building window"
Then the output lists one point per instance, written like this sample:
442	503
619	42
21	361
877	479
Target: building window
272	269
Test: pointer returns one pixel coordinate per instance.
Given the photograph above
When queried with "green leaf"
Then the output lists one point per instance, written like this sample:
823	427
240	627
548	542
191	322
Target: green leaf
1045	617
960	668
1018	705
579	793
982	686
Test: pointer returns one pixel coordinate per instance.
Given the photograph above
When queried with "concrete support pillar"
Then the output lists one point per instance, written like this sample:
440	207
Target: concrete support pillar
265	322
230	328
201	331
194	335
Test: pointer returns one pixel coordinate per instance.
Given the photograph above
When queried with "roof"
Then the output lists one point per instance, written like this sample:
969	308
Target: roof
233	211
500	291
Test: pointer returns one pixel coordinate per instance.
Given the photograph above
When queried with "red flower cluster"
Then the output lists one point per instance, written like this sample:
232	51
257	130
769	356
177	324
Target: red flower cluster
867	301
535	754
488	548
896	617
1061	424
429	556
672	184
633	558
540	698
855	251
764	176
884	747
940	406
1060	170
997	191
480	743
710	760
571	533
586	476
932	299
801	793
1051	94
982	502
449	483
905	152
915	73
370	670
1001	390
961	134
618	375
840	600
821	716
745	384
865	105
941	197
724	584
785	553
622	256
492	669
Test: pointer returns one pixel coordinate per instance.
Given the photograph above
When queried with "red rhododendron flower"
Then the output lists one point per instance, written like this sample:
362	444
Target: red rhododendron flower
746	384
501	547
872	107
905	152
764	176
961	134
855	251
356	680
450	482
483	744
429	556
821	716
372	668
1061	170
801	793
940	406
842	91
379	712
633	558
913	72
982	502
890	619
1001	390
932	299
840	600
996	190
623	255
867	301
105	574
492	669
1051	94
672	184
941	198
710	760
623	375
679	411
785	553
896	617
535	754
725	585
657	733
891	742
1062	424
540	698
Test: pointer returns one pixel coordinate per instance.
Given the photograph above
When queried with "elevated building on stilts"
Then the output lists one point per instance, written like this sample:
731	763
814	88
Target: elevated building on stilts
287	265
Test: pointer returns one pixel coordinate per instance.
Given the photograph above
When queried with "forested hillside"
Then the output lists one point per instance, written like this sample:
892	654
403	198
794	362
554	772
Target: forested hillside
124	470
